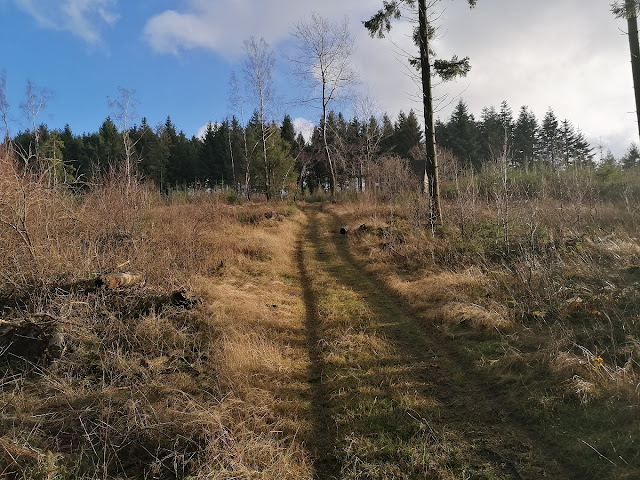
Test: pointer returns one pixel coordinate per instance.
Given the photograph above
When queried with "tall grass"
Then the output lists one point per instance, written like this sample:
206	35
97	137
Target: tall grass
179	377
547	253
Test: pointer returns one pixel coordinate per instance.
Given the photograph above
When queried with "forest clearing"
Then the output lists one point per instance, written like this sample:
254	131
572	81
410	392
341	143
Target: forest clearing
263	343
329	292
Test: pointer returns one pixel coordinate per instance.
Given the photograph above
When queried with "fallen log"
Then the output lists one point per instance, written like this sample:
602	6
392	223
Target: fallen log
111	281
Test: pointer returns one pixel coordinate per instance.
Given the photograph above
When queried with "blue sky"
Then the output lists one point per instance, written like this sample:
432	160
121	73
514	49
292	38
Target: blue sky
178	54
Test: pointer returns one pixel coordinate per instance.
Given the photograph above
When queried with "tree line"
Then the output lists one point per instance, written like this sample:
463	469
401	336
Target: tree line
266	156
229	154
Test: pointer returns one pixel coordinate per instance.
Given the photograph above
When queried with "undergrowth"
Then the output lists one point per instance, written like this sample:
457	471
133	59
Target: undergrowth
154	380
537	281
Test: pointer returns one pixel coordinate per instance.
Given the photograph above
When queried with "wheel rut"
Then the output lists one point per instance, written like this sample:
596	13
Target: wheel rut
406	407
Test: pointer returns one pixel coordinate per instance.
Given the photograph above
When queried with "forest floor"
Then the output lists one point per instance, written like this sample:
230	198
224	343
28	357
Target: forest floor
264	344
391	396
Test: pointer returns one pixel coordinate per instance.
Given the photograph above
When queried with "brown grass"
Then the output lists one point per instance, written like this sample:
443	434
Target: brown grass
143	386
557	253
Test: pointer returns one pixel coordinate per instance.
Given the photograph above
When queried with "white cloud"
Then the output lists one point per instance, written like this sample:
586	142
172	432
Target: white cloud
568	55
83	18
203	129
222	26
304	126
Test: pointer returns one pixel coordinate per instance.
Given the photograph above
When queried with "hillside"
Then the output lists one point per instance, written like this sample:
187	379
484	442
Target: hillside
257	341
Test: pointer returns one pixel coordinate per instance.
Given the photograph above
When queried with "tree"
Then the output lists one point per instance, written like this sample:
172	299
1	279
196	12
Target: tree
491	133
525	133
287	131
236	101
124	111
549	139
258	69
407	133
323	60
110	148
152	153
629	9
461	136
4	108
36	99
380	24
631	158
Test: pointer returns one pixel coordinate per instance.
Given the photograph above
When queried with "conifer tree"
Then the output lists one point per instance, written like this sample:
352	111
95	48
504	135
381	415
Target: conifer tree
461	136
631	158
379	25
525	133
549	139
629	9
407	134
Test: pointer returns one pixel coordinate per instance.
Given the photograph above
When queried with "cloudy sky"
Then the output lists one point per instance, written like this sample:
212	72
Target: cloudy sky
570	55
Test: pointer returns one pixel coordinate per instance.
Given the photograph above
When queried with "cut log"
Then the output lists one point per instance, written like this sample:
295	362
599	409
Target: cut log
111	281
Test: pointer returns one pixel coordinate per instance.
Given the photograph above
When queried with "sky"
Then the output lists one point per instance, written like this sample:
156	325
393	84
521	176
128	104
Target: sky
178	55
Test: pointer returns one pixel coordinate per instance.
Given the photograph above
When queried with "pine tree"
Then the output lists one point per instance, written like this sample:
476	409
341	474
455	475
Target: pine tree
631	158
461	136
525	133
407	134
152	154
549	140
491	133
380	24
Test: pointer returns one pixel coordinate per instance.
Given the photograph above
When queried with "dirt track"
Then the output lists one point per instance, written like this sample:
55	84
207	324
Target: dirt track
396	400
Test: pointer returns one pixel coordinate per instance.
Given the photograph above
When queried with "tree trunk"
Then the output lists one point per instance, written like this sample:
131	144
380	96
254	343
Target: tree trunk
431	182
325	142
634	48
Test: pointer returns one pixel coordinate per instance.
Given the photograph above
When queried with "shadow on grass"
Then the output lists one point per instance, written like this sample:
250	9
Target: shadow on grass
322	441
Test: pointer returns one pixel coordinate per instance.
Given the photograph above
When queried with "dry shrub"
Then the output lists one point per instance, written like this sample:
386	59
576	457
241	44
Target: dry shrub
144	387
479	317
517	269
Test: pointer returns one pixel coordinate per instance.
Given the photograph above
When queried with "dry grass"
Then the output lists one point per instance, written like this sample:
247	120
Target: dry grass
552	316
456	280
144	385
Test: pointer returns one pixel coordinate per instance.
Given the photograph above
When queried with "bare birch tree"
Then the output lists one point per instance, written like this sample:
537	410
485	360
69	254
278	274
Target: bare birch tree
258	69
124	112
323	57
4	108
36	99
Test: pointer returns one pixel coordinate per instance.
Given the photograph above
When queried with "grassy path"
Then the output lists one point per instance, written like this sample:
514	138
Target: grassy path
389	398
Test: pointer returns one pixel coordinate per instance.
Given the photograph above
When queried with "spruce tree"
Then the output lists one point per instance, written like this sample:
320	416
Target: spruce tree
525	133
629	9
407	134
380	24
549	140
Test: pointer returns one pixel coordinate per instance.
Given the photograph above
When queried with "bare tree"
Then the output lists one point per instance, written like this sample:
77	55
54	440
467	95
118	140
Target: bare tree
372	136
323	60
124	111
4	107
36	99
258	69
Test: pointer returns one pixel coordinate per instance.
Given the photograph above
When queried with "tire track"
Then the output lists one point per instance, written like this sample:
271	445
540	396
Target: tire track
459	418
